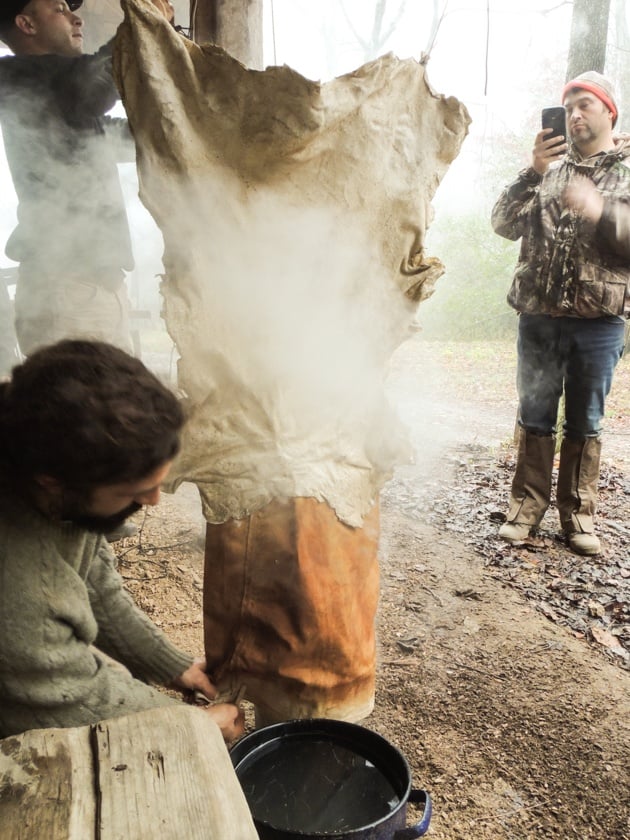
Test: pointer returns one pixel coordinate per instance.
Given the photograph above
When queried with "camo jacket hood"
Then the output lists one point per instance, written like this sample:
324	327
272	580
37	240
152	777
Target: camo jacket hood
568	265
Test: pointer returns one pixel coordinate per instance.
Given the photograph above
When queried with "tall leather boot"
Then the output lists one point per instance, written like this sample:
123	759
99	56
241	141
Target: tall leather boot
531	486
578	477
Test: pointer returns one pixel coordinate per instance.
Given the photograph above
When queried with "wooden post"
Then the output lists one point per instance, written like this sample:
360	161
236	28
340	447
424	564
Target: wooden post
235	25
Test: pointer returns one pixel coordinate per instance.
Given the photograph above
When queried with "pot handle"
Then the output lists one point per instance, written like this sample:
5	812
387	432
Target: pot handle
421	828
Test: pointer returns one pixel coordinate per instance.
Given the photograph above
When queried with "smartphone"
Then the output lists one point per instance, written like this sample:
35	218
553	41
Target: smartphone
555	118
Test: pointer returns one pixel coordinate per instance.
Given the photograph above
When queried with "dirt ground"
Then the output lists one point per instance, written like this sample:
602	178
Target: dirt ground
503	673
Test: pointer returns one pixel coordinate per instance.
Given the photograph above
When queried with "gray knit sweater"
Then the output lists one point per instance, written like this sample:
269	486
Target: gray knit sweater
60	595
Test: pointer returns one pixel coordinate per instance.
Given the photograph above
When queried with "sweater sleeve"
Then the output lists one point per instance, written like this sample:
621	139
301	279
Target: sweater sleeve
50	673
510	214
124	632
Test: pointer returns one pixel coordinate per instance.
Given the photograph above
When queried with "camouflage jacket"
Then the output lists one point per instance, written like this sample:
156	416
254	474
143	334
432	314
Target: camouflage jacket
568	265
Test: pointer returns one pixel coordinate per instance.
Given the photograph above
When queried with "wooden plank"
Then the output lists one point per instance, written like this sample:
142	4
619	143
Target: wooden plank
167	774
163	773
46	785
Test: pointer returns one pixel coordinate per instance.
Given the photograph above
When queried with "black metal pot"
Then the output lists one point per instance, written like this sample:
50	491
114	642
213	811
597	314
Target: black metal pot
326	779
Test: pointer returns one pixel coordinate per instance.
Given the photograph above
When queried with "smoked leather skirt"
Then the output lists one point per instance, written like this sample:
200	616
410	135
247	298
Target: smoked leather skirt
290	599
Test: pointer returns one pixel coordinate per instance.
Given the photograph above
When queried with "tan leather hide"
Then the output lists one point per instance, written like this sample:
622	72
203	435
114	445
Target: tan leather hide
294	215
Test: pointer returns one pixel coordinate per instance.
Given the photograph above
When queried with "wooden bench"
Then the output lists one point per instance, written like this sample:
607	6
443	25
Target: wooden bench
162	774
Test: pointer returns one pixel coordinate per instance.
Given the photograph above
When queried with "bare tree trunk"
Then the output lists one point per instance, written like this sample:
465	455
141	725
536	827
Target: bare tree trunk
622	66
377	27
235	25
435	25
589	33
375	44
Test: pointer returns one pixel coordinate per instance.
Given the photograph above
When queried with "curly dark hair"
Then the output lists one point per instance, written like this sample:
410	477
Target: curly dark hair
87	414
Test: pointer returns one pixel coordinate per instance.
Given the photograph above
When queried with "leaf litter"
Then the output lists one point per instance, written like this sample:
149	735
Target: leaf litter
588	595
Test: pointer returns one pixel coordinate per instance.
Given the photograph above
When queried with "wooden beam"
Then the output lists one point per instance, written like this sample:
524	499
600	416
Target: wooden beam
165	773
235	25
46	785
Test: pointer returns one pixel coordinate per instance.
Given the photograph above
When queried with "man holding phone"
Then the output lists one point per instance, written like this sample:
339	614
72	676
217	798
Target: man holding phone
571	288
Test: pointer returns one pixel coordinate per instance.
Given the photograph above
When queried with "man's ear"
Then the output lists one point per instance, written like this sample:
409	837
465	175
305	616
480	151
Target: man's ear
49	484
48	495
25	24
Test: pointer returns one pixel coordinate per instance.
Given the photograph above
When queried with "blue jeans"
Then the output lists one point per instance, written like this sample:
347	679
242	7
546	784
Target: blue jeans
574	355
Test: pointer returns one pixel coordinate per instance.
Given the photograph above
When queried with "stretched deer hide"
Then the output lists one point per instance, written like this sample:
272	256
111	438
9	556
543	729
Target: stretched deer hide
294	215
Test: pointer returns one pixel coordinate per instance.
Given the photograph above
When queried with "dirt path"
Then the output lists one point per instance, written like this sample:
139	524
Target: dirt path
518	727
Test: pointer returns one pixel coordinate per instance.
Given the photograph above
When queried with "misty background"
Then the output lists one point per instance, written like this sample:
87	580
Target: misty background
504	60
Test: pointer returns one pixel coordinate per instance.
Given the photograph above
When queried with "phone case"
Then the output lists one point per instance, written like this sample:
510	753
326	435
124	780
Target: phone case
556	119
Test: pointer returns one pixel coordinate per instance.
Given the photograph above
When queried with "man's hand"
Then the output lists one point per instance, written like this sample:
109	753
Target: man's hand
545	151
229	718
583	198
196	679
166	8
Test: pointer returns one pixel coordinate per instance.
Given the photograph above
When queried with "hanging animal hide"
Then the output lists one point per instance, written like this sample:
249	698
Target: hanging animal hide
294	215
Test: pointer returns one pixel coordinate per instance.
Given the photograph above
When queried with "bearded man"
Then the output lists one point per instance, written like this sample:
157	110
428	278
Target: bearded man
87	436
571	288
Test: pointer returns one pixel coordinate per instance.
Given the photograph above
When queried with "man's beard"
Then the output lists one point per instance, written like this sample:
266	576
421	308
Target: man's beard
584	137
74	511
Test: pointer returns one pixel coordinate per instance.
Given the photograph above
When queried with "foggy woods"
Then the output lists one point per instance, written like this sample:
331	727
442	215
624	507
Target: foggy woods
398	501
